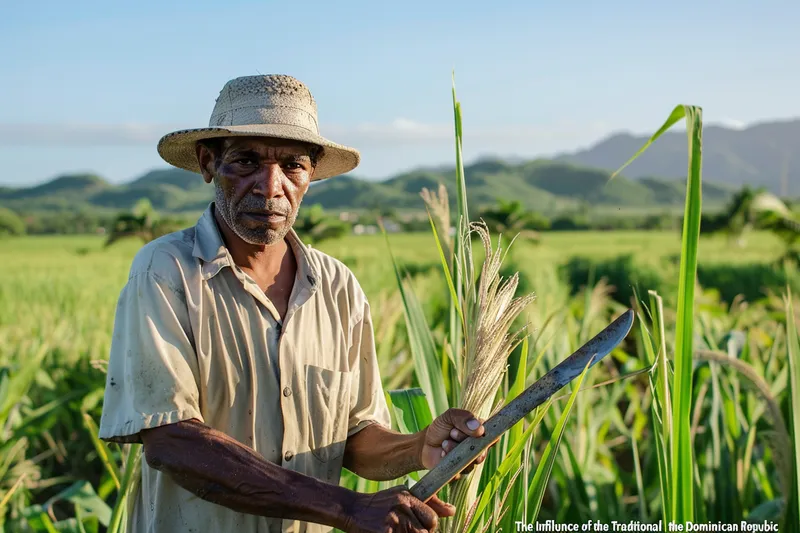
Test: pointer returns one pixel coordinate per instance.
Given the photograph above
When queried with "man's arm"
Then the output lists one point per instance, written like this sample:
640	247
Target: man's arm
381	454
220	470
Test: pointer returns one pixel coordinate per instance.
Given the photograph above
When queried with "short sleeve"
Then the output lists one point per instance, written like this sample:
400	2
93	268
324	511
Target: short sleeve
153	376
367	399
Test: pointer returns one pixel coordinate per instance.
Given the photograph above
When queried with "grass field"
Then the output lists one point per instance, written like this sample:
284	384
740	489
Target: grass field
74	281
57	300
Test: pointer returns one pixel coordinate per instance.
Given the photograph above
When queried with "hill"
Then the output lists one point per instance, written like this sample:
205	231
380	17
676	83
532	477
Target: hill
73	186
762	155
541	185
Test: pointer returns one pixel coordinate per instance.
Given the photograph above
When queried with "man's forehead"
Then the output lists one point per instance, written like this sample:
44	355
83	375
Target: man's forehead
266	144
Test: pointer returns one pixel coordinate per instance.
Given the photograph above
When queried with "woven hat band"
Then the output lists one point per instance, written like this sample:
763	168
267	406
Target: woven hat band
290	116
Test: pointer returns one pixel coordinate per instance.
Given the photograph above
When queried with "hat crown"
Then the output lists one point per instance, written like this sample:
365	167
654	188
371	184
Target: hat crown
265	99
275	106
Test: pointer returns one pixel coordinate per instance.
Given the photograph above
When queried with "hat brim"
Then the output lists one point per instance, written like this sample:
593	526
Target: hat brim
178	148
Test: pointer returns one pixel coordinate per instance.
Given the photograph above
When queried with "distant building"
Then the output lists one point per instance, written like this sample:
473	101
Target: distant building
392	227
361	229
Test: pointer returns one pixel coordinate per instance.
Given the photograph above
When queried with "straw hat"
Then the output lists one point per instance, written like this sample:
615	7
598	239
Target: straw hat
275	106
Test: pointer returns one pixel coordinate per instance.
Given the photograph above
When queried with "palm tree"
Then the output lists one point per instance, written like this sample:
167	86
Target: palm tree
739	218
776	216
759	209
315	226
748	209
142	222
10	223
510	219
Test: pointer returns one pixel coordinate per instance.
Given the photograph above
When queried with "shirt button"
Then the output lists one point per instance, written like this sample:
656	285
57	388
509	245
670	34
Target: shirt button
288	456
287	391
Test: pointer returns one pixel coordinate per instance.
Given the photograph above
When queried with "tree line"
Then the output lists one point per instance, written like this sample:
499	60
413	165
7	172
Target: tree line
749	209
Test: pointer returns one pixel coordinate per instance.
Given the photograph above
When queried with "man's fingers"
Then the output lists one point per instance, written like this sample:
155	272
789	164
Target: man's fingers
423	516
457	435
449	445
460	419
465	422
441	508
412	518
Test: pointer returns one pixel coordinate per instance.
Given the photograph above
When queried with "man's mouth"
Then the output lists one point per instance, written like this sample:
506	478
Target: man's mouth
266	216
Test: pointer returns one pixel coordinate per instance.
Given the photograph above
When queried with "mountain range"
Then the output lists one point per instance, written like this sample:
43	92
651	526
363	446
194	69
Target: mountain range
759	156
765	155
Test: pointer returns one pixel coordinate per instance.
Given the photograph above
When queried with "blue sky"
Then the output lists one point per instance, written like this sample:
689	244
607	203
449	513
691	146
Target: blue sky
91	86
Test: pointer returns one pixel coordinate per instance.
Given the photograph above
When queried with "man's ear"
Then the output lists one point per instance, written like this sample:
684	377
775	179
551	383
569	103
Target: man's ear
205	158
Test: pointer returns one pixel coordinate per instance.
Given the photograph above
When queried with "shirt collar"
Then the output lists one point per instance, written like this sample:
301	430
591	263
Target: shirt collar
210	248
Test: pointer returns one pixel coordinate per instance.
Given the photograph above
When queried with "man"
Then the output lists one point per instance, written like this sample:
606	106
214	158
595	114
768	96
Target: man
244	361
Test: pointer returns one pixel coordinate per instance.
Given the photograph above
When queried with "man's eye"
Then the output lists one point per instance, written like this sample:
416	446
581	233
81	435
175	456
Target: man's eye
245	161
294	166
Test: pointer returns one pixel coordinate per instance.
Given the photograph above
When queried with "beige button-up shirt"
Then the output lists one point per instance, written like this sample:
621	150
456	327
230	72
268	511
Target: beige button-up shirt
195	337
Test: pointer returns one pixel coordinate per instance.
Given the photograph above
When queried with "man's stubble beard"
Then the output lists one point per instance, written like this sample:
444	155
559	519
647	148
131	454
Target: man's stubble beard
250	235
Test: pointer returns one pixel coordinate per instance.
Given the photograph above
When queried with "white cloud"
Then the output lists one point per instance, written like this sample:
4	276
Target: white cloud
513	137
733	123
126	134
399	130
369	135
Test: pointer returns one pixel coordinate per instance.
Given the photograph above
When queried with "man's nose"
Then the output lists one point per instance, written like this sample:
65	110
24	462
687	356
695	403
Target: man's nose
270	182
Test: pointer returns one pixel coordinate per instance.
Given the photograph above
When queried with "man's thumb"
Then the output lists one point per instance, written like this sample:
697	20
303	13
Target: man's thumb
460	419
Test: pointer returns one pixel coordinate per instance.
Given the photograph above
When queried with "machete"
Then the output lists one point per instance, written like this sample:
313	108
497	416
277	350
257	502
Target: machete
470	448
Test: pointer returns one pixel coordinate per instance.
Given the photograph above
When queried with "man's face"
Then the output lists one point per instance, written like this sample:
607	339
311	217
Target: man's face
259	184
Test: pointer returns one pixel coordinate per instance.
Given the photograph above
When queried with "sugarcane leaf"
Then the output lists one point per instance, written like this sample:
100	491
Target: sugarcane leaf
82	494
792	516
517	387
677	114
130	476
423	349
446	269
545	466
102	449
38	520
509	464
411	409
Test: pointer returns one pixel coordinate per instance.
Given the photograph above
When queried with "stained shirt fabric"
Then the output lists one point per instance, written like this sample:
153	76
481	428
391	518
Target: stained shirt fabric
195	337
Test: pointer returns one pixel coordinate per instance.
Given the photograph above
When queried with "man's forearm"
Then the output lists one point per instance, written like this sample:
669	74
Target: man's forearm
219	469
380	454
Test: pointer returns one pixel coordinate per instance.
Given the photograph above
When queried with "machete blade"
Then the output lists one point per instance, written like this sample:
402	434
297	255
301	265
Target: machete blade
470	448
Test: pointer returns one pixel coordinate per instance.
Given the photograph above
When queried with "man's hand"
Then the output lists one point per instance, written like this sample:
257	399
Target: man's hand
395	510
444	434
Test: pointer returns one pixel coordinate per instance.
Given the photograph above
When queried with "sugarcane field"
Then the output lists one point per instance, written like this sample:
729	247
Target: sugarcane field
462	268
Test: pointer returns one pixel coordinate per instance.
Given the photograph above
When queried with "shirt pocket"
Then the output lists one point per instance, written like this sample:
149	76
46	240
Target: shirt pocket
328	393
